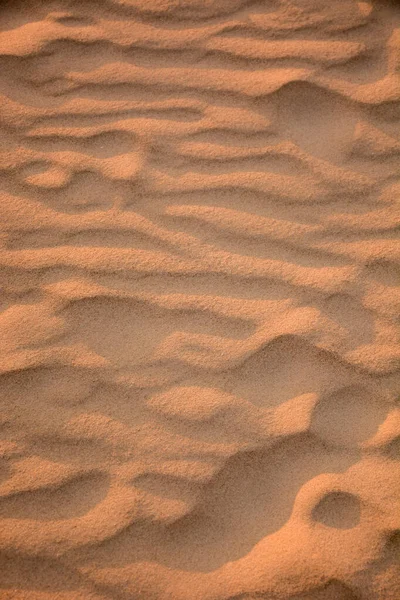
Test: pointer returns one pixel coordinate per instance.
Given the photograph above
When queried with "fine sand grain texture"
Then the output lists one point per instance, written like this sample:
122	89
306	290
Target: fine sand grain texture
200	300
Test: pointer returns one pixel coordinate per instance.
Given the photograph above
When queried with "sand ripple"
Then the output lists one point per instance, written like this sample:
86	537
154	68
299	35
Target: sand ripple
199	267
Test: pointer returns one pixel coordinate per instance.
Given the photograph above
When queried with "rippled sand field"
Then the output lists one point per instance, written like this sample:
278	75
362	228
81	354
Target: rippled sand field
200	301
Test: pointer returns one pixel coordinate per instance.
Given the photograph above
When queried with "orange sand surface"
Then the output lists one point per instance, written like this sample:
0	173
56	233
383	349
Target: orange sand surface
200	300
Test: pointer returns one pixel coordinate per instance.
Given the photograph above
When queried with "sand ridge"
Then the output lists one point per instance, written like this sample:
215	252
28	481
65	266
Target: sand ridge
199	300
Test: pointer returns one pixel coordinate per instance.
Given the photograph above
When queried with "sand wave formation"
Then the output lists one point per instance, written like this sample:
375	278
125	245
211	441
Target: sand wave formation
199	266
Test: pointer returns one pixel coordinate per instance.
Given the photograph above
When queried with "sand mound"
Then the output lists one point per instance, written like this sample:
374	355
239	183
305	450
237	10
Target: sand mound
199	300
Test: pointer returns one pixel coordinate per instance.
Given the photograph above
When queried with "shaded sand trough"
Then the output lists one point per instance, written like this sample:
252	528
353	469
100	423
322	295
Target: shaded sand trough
199	270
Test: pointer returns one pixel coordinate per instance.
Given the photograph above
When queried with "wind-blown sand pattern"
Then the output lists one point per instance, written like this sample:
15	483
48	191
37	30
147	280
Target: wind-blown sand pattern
199	262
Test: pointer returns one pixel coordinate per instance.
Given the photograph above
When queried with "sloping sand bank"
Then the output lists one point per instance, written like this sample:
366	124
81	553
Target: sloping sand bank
199	302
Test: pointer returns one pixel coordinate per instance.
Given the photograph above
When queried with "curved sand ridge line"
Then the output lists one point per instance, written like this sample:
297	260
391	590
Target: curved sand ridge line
199	271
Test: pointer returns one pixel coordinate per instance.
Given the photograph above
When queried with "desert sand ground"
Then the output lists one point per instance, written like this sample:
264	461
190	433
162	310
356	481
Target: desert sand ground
199	263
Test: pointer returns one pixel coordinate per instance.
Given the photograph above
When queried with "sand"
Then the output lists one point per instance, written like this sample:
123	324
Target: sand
200	301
